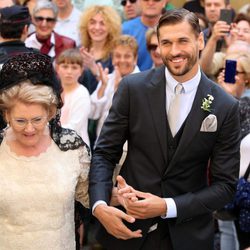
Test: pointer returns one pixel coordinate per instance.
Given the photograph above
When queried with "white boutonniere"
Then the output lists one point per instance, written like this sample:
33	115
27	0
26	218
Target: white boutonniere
206	103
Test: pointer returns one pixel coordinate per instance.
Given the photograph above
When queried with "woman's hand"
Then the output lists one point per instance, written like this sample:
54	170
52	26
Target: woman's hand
103	77
89	61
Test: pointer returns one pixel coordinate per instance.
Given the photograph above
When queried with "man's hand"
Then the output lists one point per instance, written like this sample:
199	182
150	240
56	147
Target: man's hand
138	204
111	218
220	30
148	206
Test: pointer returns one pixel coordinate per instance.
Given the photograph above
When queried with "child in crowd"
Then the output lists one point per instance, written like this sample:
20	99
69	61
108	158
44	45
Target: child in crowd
76	99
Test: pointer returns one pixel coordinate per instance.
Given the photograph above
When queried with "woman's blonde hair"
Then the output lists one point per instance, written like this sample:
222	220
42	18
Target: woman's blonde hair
111	19
27	92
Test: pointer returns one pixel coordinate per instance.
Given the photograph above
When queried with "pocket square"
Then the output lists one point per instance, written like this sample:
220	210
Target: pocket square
209	124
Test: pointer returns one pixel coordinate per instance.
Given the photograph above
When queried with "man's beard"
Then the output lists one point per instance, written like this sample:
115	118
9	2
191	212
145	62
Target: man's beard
190	62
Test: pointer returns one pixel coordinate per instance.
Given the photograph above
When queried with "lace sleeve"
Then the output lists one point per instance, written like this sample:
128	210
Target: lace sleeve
81	194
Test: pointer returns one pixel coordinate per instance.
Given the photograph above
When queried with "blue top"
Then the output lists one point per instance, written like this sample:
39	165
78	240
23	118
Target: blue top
137	29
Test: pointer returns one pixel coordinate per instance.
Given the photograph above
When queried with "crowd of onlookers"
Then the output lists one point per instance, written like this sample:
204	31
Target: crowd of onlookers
94	44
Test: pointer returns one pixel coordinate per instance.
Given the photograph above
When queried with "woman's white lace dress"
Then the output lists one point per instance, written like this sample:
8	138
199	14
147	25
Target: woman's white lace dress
37	197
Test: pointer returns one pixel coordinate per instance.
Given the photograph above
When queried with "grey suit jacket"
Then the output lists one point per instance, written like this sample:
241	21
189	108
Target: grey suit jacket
138	114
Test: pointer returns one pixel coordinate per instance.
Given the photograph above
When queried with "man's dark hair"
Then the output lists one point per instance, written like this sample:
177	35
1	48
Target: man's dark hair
11	31
177	16
13	20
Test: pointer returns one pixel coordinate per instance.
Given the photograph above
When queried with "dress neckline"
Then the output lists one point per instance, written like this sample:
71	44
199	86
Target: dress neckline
6	147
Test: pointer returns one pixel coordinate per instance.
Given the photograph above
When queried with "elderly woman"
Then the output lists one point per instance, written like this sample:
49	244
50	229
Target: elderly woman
242	74
99	27
43	167
124	59
44	38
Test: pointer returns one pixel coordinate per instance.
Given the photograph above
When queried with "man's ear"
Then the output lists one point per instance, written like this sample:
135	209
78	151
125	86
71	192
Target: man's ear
25	32
201	42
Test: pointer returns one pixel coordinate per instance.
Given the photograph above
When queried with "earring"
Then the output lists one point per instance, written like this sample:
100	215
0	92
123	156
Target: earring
7	126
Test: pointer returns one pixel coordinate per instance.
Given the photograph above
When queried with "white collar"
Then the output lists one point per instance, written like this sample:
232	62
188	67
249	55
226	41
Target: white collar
189	85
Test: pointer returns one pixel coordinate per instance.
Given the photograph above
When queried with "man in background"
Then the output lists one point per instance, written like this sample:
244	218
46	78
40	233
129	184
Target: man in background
67	20
14	24
131	8
151	11
216	33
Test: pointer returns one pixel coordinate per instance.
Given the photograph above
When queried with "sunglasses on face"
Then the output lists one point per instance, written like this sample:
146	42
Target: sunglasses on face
47	19
152	47
124	2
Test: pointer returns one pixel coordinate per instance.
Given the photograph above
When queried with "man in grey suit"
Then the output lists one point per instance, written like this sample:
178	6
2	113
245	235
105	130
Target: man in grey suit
181	169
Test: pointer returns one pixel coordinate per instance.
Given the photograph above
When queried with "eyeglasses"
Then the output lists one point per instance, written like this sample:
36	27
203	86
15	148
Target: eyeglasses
124	2
152	47
36	121
240	72
47	19
236	73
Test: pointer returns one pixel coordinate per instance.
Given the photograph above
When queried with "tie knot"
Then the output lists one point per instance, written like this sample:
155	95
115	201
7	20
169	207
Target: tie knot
179	89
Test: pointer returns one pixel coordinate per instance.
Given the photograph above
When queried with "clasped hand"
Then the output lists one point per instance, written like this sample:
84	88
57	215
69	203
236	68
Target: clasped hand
138	205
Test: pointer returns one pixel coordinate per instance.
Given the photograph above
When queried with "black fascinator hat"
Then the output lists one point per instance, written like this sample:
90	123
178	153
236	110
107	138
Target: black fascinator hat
37	68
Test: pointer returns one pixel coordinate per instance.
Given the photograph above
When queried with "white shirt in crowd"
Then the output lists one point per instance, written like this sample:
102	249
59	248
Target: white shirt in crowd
70	26
75	111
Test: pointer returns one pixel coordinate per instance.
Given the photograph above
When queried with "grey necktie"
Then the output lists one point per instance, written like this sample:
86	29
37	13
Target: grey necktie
174	114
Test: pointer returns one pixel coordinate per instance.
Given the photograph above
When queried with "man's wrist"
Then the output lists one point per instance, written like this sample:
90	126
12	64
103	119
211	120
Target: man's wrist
96	205
164	208
171	211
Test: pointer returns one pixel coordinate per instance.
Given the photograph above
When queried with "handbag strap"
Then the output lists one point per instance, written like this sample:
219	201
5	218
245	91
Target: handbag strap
247	172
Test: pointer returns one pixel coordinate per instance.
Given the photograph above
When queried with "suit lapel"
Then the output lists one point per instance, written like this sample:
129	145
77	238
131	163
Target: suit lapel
193	121
156	93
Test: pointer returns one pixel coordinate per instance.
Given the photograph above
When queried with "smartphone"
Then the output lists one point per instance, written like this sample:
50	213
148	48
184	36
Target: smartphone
230	71
226	15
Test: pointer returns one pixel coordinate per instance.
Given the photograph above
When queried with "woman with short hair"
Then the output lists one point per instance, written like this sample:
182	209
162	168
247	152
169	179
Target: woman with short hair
43	167
45	38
